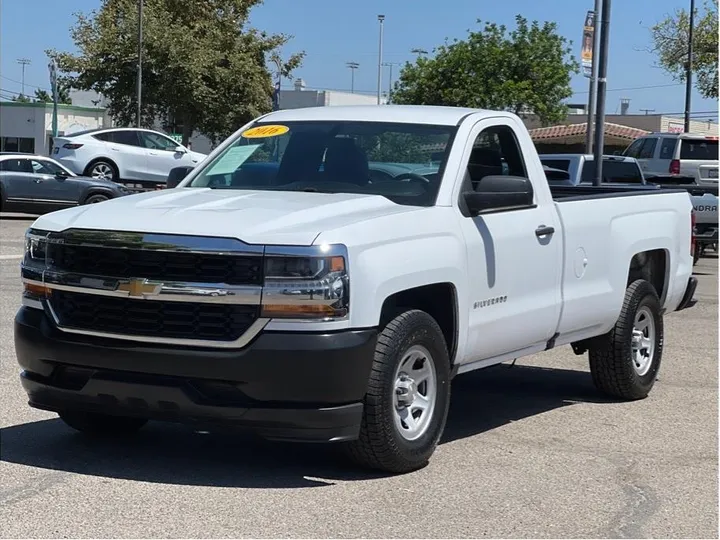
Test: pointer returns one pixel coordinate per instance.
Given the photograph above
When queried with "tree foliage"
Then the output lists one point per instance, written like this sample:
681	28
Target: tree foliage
525	70
21	98
204	68
670	42
43	96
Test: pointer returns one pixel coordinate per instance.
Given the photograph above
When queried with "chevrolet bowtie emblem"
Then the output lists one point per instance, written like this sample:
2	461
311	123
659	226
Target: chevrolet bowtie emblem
139	287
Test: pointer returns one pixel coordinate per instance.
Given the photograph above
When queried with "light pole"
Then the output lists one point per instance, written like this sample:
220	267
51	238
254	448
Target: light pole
139	63
381	20
419	52
601	91
353	66
23	62
689	68
390	65
592	98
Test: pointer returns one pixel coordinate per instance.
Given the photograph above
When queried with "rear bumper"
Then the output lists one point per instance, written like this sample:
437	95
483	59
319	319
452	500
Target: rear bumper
283	386
687	299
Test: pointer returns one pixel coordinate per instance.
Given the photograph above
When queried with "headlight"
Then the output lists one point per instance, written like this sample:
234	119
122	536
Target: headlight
35	246
300	286
33	267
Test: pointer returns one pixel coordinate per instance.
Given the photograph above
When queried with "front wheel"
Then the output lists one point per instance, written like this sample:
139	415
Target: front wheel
408	396
94	199
625	362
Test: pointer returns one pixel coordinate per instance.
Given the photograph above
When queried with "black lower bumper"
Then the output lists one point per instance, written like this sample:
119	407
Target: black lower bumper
687	299
283	386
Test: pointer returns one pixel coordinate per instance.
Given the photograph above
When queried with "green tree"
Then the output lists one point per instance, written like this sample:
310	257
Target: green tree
525	70
20	98
670	42
204	68
43	96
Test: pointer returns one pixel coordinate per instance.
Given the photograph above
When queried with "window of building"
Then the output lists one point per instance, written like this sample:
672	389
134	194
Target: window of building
25	145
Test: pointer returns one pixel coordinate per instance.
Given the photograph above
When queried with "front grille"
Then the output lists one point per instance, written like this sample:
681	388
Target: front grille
151	264
180	320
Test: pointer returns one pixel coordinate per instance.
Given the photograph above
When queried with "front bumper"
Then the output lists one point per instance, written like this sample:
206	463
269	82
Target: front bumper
687	299
283	386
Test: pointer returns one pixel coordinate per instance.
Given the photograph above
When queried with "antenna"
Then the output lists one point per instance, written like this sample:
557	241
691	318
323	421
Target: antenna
646	111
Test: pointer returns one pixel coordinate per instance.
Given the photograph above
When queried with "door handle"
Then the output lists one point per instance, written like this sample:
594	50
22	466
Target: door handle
38	181
544	230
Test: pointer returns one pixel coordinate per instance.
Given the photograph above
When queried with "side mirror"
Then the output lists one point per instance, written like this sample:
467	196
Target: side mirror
499	192
61	174
177	174
180	150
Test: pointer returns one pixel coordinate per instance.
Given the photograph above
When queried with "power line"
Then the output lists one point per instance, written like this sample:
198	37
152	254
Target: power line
636	88
26	84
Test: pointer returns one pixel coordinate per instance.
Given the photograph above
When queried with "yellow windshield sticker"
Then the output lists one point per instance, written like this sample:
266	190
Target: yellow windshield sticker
265	131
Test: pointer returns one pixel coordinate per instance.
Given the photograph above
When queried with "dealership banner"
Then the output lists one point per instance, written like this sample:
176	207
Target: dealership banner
586	55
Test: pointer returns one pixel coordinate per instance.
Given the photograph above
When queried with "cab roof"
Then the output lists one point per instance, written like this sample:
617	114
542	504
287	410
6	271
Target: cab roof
409	114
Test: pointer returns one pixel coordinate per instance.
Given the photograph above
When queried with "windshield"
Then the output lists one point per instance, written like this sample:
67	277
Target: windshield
402	162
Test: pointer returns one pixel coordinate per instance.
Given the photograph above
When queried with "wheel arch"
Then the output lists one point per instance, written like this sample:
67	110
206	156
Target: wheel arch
652	266
439	300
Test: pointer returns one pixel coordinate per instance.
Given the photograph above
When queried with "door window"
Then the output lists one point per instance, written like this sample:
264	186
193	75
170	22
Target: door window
634	149
155	141
45	167
667	148
495	152
16	165
648	148
127	137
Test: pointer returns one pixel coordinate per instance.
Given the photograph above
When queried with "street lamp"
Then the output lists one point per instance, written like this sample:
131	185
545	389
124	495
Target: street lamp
419	52
381	20
353	66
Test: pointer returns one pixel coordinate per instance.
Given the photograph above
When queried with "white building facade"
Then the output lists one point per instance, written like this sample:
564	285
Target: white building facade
27	127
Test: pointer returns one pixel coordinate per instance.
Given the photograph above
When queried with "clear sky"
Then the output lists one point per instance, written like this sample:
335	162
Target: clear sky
333	32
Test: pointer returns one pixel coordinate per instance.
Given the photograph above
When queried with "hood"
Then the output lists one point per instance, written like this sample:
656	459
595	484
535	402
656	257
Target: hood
255	217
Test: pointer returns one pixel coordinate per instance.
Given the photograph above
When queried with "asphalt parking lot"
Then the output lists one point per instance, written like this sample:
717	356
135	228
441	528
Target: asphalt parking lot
530	451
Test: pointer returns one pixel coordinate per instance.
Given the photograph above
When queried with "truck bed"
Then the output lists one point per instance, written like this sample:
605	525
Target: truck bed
582	192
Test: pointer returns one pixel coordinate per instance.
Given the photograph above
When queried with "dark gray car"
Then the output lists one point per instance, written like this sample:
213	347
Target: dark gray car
38	184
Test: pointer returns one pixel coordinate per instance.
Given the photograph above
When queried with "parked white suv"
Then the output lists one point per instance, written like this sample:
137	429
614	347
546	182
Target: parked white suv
123	154
684	154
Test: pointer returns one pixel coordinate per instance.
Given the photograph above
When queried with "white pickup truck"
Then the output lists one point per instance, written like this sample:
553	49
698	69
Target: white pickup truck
326	272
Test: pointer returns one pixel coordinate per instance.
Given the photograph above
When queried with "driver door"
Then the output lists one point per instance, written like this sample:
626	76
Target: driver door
162	156
59	188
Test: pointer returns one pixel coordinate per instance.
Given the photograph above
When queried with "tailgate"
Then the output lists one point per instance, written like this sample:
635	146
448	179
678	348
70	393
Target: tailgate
708	173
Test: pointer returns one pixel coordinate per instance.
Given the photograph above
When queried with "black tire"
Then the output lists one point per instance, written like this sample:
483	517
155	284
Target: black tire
111	171
97	198
611	356
380	445
101	424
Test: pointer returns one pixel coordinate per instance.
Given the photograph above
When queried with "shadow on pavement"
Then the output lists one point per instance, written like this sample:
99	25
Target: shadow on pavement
166	453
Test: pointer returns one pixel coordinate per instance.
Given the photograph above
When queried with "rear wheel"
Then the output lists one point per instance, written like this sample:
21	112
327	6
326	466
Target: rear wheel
625	362
103	170
408	396
101	424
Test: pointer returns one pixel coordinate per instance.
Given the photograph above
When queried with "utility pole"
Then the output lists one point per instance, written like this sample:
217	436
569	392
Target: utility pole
602	88
689	68
23	62
419	52
592	98
353	66
139	63
390	65
381	20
